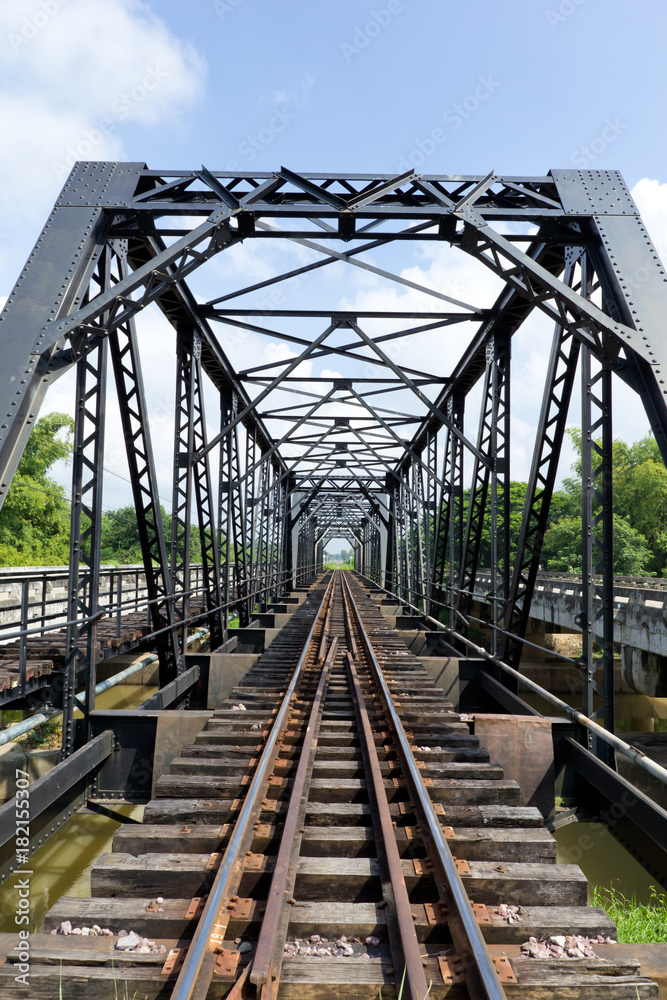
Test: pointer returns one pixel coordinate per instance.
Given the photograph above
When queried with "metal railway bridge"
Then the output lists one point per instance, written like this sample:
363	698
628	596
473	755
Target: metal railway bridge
289	454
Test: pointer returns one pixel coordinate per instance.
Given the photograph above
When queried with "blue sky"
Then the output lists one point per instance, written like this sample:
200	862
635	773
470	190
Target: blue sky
347	86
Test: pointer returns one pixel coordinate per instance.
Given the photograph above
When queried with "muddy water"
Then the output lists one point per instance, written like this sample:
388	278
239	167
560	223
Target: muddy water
605	863
634	712
124	696
62	866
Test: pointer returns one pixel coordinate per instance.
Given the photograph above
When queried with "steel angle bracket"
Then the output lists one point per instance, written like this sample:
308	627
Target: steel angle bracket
226	963
451	969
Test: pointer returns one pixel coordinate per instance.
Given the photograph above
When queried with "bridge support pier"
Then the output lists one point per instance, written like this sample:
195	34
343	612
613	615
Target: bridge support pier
644	672
536	632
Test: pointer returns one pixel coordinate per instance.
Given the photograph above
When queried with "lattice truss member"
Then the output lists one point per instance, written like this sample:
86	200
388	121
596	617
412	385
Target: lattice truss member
339	395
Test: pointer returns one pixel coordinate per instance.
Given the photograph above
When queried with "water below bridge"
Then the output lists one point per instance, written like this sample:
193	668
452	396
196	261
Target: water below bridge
62	866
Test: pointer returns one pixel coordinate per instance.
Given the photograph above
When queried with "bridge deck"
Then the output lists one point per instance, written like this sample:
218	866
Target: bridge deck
347	813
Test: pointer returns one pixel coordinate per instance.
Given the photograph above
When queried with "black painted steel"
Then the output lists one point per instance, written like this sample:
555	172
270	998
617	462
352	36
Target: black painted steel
51	801
380	455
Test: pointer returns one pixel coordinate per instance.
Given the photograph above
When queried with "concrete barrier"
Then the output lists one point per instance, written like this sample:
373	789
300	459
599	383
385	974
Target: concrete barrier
35	762
224	673
175	730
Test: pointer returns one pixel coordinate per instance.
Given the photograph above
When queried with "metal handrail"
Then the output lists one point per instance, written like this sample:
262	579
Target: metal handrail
473	618
626	749
471	939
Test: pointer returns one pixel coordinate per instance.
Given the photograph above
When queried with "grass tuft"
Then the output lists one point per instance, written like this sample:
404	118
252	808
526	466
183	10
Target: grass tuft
48	736
636	923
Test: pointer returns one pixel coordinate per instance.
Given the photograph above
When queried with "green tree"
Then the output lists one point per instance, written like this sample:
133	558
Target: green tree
560	506
640	496
34	520
561	552
640	511
120	542
120	535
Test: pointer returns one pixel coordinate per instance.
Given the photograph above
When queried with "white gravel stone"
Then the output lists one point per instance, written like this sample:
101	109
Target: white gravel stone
128	942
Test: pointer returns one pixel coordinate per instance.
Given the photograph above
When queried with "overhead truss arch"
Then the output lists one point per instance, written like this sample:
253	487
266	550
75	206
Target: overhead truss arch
383	453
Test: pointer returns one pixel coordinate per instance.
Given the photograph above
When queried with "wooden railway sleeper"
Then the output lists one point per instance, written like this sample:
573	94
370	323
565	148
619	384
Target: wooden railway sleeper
480	975
404	945
207	943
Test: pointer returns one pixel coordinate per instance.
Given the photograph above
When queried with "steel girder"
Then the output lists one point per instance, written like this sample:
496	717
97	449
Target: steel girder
376	456
85	527
135	421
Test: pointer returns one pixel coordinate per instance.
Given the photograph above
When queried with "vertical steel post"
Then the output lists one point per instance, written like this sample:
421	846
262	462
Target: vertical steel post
597	614
85	532
455	414
134	417
499	453
181	510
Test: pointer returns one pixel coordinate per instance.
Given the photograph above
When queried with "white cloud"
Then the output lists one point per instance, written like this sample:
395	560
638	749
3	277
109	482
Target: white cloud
74	73
297	94
651	198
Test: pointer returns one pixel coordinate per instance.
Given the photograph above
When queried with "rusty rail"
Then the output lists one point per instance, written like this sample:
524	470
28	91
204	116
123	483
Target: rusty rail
477	965
199	965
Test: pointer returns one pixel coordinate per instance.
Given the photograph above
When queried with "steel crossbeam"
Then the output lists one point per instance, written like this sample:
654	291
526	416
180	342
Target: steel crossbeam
393	453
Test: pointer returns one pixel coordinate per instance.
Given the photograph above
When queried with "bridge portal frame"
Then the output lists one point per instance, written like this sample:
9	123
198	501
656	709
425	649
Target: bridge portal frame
121	237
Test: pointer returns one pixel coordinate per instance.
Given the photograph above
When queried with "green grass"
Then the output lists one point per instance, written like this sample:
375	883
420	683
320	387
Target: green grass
48	736
635	923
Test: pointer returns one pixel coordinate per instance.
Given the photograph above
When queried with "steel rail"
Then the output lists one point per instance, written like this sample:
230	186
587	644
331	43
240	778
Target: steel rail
194	980
480	975
637	756
268	960
405	949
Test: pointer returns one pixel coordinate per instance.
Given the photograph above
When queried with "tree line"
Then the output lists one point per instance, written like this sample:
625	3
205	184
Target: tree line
35	518
34	521
639	513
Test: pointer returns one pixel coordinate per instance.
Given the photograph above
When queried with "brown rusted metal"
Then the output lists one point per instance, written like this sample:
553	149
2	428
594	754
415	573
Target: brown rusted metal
226	963
174	961
241	909
267	962
405	947
253	862
503	967
482	915
195	908
451	969
434	914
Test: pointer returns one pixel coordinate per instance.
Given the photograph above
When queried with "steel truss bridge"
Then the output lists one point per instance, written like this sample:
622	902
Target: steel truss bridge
381	453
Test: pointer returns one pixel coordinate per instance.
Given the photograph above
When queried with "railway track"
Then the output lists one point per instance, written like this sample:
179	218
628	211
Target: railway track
46	653
334	831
